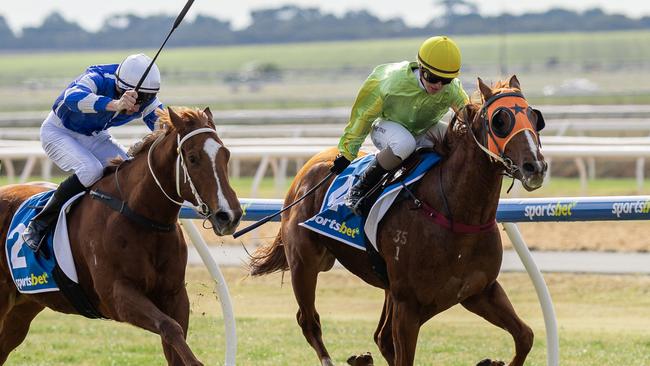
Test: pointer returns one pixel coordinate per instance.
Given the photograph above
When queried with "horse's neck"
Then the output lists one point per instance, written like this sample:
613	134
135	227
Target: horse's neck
471	185
141	192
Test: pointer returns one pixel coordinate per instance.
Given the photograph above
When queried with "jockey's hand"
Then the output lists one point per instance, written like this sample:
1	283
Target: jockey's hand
340	163
127	102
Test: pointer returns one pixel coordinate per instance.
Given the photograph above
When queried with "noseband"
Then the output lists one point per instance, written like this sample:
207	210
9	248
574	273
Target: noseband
202	207
515	106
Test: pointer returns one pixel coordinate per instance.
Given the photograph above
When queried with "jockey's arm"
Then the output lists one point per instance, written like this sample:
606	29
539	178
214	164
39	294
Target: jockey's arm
80	96
149	113
460	97
366	109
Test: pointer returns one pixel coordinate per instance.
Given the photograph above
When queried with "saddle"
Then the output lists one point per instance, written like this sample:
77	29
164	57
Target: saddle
52	267
395	176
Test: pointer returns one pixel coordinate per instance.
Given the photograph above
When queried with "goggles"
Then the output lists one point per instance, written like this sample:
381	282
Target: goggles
433	78
145	98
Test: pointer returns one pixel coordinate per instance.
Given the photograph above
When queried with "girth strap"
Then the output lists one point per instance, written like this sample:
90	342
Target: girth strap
75	294
121	207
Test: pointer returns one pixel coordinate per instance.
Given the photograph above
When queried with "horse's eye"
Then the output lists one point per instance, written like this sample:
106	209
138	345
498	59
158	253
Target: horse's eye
192	159
502	122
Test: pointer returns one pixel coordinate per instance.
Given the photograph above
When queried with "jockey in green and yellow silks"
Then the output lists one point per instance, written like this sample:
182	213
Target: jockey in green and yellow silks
398	105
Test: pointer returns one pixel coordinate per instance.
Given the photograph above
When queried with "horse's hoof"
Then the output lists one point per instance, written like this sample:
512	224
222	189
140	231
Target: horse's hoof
489	362
364	359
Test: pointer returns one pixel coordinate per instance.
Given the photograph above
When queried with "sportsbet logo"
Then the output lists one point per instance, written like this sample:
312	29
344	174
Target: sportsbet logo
32	280
550	210
339	227
619	208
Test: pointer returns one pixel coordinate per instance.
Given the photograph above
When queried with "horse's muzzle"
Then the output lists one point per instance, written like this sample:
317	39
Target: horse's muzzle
225	222
533	173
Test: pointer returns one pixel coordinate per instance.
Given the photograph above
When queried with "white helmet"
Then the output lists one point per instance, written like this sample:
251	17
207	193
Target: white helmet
131	70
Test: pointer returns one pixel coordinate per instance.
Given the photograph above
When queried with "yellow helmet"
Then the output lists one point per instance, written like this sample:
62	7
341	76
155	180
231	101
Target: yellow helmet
440	56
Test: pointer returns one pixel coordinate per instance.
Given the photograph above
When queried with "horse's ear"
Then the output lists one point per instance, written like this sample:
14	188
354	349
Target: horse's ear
486	91
513	82
208	113
174	118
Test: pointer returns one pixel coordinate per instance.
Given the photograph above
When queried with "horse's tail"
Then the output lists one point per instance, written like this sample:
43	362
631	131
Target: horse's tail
269	258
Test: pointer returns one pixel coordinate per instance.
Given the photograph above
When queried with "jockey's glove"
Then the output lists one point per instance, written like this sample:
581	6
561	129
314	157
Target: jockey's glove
340	163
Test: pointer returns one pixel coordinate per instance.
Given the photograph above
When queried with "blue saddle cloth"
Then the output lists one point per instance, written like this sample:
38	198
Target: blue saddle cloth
32	273
337	221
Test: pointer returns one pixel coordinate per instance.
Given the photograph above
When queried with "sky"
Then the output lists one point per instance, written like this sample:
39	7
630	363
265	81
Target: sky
91	13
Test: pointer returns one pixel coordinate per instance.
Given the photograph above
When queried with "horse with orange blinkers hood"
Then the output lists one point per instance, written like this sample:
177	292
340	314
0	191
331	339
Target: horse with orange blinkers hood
441	245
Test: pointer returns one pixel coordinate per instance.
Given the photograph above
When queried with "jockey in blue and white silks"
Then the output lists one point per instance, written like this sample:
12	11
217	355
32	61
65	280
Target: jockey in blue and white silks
74	134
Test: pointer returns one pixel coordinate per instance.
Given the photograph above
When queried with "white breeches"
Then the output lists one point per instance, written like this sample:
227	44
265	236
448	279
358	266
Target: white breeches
86	156
388	134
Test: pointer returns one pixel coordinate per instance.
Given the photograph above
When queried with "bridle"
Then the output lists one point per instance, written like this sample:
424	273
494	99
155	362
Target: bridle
202	208
514	105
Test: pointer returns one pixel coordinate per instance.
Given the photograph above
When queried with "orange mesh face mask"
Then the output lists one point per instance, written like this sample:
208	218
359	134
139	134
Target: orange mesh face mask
506	115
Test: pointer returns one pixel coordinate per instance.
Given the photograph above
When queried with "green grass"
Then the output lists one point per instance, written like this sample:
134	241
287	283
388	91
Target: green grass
623	46
601	318
567	187
322	74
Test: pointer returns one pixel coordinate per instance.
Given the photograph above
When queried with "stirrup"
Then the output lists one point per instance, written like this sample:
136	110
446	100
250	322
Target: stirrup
34	235
356	205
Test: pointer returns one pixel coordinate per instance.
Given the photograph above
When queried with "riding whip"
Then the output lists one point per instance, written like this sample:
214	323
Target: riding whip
178	21
270	217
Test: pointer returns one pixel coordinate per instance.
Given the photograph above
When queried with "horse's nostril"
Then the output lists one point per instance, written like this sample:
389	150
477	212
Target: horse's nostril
529	167
222	216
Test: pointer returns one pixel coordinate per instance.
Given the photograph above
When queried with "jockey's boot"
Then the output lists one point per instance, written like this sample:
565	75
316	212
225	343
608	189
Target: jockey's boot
43	221
371	176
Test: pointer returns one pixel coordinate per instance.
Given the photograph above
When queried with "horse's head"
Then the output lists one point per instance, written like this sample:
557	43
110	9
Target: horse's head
202	168
507	129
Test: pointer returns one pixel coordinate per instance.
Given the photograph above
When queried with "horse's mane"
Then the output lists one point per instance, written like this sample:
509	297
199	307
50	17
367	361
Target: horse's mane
164	126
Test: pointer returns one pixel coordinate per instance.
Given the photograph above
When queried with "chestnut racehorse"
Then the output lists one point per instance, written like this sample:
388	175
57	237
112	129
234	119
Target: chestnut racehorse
431	265
129	271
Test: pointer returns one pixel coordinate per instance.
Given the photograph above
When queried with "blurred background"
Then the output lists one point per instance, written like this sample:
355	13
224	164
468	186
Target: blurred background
282	75
297	66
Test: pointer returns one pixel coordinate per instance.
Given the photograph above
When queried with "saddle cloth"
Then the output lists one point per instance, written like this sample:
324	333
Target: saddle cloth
335	220
31	272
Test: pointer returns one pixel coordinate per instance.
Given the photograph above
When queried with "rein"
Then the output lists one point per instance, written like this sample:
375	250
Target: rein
122	207
202	208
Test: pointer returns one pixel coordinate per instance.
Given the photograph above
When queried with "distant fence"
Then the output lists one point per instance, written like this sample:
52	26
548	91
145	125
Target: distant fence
272	139
275	154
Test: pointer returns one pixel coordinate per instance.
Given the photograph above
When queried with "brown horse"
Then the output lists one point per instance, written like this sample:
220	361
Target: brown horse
430	268
131	272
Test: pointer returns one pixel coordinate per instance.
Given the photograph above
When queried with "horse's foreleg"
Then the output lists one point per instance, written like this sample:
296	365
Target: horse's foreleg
384	333
493	305
176	306
15	326
406	327
133	307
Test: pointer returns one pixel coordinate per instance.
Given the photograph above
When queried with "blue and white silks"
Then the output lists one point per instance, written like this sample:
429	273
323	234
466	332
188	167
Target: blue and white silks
82	105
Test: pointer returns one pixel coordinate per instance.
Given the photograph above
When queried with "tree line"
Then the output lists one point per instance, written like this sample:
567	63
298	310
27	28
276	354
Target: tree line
296	24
